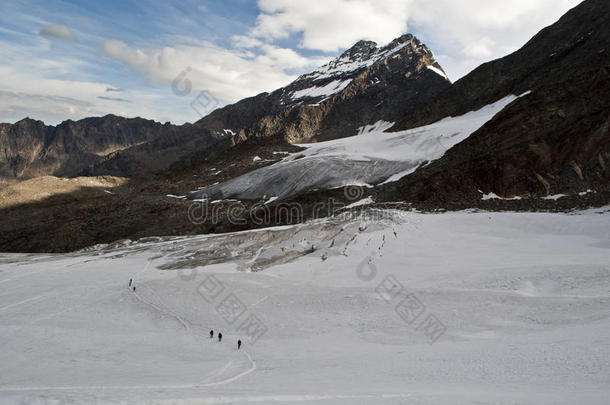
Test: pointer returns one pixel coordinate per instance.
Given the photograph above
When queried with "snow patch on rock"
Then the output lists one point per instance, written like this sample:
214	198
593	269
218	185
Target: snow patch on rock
322	91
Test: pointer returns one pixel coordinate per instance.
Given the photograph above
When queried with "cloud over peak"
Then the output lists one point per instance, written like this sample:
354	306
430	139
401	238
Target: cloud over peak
331	25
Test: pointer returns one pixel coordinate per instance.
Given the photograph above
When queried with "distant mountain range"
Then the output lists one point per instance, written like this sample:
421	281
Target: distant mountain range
31	148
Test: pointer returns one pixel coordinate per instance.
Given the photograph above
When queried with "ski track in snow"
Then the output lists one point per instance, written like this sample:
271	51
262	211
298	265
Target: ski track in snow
187	327
203	384
161	310
17	304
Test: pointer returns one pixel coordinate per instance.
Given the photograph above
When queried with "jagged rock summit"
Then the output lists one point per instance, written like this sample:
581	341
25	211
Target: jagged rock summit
364	85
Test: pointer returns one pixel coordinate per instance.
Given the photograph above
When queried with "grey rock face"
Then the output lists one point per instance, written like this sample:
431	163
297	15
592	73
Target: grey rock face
30	148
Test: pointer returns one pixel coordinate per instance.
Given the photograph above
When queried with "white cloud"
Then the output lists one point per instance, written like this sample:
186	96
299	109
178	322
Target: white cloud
11	79
54	100
467	33
229	75
462	33
57	31
330	25
244	41
18	105
285	58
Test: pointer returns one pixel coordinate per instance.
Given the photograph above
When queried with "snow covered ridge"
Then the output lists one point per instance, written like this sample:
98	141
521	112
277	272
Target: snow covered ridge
337	74
494	196
554	197
371	157
362	55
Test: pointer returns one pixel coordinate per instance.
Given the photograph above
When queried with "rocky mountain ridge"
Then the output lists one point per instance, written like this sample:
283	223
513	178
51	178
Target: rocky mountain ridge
31	149
365	84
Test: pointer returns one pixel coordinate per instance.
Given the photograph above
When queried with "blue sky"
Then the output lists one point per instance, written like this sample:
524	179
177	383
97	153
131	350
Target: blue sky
72	59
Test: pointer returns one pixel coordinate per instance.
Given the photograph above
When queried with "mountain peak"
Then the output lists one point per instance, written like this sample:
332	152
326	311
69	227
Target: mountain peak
365	50
364	54
404	40
360	50
28	121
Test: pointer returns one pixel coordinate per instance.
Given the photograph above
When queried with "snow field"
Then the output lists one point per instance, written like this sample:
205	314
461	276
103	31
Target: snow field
525	299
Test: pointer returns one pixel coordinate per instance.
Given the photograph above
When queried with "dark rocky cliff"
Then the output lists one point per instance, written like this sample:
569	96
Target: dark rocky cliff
553	140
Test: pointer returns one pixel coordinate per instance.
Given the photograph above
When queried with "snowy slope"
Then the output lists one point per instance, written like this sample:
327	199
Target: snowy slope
372	157
524	297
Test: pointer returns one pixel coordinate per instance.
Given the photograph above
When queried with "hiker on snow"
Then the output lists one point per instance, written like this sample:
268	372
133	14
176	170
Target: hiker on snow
219	337
130	281
238	344
212	334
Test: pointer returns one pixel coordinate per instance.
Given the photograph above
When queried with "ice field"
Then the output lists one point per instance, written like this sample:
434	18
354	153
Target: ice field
388	308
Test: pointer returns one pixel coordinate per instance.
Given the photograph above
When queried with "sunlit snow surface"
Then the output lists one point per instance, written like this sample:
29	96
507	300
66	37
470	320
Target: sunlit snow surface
321	91
438	71
524	297
373	156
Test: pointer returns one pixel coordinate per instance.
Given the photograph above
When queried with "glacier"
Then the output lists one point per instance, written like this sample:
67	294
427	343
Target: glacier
372	156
